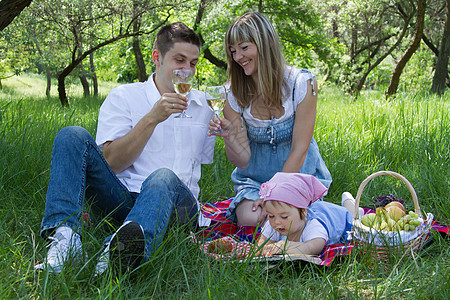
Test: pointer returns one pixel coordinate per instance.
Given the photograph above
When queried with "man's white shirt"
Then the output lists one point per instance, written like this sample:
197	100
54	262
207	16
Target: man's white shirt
179	144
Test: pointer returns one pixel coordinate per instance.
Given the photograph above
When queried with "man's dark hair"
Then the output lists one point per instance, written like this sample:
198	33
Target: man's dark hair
175	33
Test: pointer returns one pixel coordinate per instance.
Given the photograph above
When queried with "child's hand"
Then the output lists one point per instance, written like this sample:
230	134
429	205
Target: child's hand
271	249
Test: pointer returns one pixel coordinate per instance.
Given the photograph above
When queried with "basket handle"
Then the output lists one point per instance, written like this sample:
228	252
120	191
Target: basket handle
396	175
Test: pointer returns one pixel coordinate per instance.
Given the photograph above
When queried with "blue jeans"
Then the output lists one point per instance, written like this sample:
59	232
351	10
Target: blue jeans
79	171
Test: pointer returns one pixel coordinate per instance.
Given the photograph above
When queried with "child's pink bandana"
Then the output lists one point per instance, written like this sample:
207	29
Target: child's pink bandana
299	190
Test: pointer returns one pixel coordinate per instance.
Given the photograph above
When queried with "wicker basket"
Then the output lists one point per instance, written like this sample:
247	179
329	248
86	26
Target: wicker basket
381	242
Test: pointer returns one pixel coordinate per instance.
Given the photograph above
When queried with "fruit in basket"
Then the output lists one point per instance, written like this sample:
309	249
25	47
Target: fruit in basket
391	219
220	246
396	204
384	200
395	212
410	221
369	219
385	222
413	214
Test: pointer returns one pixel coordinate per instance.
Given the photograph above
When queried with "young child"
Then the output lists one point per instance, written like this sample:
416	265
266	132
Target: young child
297	224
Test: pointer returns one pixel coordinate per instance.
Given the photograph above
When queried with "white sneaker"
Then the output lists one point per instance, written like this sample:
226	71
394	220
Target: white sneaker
65	245
103	261
125	250
346	196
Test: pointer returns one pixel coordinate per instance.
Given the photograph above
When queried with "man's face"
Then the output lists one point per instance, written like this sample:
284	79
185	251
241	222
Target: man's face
180	56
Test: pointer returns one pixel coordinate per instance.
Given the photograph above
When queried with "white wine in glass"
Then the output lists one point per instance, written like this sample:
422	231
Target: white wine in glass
182	82
216	96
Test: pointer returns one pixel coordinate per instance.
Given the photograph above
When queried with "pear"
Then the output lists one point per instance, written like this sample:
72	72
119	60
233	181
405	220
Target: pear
384	225
380	211
393	226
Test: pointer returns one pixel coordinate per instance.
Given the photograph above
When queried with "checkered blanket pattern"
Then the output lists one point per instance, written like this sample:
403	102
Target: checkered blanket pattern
243	238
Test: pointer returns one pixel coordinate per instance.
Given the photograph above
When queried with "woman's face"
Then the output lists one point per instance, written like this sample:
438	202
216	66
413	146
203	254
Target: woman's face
246	55
285	219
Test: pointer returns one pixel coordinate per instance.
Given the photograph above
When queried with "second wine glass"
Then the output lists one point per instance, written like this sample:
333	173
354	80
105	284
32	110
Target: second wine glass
183	80
216	97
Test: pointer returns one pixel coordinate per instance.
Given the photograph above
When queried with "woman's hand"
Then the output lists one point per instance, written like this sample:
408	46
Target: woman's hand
219	126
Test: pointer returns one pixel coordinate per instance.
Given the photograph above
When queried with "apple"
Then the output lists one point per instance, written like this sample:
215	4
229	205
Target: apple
395	212
220	246
397	204
369	219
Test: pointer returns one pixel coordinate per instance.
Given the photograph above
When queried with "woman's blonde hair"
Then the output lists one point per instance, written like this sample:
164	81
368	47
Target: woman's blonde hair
256	28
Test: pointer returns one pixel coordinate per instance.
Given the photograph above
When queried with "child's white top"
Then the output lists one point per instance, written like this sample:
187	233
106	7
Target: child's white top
312	230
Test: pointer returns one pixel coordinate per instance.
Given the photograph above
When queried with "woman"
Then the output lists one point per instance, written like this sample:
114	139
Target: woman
268	118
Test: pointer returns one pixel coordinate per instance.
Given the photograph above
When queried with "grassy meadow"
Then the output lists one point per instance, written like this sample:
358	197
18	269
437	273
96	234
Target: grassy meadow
409	135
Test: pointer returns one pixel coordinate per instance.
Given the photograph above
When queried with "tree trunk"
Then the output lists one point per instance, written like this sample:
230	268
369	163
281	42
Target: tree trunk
393	85
77	60
85	84
354	42
49	82
141	71
93	74
9	9
380	59
140	64
441	71
206	53
82	76
62	86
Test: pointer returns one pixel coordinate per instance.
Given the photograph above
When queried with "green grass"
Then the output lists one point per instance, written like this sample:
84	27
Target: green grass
409	135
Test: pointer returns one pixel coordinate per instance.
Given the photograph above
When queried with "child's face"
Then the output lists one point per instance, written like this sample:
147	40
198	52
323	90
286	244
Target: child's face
285	219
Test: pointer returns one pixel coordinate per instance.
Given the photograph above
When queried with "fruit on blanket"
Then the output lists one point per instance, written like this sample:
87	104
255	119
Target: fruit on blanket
396	204
395	212
220	246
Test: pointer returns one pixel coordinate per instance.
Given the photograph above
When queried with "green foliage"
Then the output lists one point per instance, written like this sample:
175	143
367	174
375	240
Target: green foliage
418	73
339	40
409	134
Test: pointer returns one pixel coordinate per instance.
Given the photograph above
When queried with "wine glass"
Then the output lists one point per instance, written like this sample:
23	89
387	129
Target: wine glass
183	80
216	97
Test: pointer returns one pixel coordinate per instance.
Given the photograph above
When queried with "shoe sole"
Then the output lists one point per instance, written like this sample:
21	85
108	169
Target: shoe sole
127	247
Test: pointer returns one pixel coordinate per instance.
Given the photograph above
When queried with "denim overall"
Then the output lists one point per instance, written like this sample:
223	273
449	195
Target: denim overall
270	147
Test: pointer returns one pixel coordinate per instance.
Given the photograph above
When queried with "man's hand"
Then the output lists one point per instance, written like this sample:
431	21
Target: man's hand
169	103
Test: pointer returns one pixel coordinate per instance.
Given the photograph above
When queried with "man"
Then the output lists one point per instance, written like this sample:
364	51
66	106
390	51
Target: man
150	166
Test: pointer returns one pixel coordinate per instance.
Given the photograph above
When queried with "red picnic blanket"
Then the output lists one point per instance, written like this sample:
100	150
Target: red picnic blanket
242	238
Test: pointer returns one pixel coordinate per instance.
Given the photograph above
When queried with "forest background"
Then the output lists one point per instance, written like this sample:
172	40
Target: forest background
382	67
355	44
